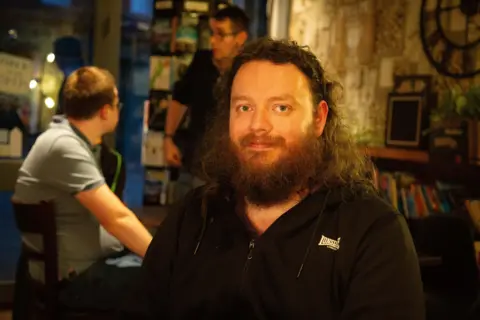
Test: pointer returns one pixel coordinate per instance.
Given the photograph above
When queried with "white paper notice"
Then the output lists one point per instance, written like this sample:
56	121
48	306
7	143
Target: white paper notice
15	74
386	73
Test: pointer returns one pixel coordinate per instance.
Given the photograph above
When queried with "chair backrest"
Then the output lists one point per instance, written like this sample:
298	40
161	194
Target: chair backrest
451	238
39	219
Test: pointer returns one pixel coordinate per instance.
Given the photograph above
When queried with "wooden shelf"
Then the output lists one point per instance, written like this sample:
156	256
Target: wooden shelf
398	154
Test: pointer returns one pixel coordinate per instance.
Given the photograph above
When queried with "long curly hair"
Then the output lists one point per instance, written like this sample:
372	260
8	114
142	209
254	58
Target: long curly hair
340	162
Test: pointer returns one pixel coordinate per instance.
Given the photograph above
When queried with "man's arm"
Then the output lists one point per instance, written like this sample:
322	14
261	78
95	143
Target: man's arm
181	98
175	113
385	281
72	169
116	218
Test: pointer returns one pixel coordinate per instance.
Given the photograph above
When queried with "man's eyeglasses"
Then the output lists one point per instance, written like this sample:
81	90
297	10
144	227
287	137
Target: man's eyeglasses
119	106
222	36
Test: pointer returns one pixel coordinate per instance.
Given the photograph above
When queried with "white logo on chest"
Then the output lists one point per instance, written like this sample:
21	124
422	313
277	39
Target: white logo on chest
330	243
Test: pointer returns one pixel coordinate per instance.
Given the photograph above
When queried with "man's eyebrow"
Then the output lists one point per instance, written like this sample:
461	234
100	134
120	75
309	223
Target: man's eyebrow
284	97
239	97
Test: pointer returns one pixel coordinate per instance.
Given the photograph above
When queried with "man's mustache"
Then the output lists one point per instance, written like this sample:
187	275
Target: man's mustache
252	138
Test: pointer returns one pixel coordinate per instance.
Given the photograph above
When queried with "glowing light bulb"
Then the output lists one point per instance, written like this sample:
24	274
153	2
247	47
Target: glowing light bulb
33	84
50	57
49	102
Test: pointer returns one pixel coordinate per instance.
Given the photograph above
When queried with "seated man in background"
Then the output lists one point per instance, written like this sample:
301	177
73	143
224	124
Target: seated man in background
112	166
92	223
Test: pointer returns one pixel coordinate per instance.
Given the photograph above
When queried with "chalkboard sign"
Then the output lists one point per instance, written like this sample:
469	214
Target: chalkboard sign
405	120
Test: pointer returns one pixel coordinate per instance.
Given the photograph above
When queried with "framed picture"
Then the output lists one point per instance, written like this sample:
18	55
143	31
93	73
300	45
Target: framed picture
159	102
197	6
417	84
413	84
160	73
406	119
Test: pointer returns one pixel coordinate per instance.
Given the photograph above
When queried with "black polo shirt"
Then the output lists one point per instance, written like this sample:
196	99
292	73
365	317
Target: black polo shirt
195	90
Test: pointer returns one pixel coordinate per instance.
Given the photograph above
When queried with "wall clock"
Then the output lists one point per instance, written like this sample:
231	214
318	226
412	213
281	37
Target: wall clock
450	35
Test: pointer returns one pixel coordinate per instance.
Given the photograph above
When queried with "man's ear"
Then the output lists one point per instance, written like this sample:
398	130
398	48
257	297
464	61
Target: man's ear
103	112
242	37
320	117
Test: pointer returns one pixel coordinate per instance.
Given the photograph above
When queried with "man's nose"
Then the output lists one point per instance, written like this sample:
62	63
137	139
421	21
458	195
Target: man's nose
260	121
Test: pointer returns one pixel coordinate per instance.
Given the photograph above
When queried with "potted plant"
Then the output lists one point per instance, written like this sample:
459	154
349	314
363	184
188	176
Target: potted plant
458	103
456	122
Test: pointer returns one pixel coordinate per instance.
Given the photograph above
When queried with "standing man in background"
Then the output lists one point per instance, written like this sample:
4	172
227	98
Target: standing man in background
195	91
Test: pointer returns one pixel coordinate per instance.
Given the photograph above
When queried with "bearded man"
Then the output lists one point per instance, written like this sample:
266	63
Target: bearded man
288	226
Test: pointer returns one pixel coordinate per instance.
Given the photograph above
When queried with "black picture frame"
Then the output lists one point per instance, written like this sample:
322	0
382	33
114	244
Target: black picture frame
407	118
417	84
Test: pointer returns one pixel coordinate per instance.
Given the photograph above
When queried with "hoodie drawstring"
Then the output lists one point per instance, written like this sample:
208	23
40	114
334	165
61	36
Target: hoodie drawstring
312	238
204	224
202	233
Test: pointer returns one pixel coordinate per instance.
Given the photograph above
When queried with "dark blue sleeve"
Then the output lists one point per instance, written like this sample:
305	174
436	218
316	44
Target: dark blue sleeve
183	89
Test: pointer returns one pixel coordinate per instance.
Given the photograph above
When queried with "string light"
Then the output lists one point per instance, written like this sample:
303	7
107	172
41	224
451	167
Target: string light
50	57
49	103
33	84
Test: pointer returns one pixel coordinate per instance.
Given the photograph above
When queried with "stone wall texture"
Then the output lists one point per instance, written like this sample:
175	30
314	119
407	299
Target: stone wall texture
362	44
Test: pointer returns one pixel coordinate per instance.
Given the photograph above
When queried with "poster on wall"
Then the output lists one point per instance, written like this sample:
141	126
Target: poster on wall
152	149
157	111
160	73
187	34
16	73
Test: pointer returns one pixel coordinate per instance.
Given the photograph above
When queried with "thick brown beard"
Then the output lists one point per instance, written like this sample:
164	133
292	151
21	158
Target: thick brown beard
264	185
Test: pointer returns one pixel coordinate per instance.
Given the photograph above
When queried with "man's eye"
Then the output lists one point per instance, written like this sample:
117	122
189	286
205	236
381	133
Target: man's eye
243	108
282	108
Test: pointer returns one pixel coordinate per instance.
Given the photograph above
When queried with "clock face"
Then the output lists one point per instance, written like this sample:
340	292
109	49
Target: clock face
450	33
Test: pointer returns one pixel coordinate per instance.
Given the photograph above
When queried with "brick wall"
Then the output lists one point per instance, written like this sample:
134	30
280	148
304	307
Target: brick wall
362	44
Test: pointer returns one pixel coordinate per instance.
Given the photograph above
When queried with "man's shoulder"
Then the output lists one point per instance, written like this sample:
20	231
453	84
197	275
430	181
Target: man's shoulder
52	136
363	208
205	197
202	60
203	55
62	140
52	146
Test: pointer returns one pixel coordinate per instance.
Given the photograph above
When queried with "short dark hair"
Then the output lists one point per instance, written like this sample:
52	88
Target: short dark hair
86	91
238	17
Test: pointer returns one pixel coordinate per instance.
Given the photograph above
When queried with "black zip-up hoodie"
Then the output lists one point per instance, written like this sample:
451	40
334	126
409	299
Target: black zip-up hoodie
338	254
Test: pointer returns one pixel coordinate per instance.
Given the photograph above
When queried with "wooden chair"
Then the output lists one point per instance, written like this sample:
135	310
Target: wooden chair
452	286
39	219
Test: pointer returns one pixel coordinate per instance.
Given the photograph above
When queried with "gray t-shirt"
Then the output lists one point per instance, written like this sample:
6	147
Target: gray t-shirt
60	165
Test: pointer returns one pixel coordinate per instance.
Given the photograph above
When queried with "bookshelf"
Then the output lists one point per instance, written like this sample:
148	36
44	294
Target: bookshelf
419	185
423	166
418	156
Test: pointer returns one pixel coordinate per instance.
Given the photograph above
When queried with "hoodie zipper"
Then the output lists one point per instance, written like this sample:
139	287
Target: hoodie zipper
251	246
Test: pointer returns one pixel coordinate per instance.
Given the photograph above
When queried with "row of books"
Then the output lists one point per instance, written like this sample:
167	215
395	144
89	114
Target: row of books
412	199
418	200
